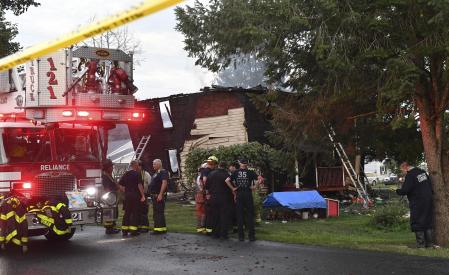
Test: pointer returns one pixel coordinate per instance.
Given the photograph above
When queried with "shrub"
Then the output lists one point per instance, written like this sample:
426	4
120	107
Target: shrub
390	216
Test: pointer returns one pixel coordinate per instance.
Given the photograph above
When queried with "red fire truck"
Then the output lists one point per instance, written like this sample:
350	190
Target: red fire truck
54	122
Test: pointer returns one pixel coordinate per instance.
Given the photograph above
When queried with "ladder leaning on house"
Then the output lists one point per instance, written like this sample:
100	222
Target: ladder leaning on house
141	147
349	168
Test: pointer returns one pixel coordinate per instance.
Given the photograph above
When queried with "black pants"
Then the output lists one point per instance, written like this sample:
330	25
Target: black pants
144	224
244	205
220	215
132	213
159	214
209	216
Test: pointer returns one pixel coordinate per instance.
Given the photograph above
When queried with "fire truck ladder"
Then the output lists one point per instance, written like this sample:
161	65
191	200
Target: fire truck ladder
141	147
349	168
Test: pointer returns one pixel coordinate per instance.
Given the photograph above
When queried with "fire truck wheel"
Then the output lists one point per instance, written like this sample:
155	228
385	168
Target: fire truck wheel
52	236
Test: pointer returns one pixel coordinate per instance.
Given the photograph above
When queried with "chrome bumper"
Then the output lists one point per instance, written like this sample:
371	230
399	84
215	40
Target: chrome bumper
80	216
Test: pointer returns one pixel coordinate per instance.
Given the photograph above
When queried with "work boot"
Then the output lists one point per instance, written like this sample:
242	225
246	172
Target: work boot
124	233
420	239
429	238
134	234
110	231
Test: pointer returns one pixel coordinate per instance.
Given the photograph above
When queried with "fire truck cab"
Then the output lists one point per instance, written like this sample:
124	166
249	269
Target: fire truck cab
54	122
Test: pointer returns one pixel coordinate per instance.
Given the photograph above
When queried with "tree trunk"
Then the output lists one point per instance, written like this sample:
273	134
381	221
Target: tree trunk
431	131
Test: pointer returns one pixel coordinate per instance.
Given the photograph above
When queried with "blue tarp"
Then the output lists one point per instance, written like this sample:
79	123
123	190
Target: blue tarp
295	200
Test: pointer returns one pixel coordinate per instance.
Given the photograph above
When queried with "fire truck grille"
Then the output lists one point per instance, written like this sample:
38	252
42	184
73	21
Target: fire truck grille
53	185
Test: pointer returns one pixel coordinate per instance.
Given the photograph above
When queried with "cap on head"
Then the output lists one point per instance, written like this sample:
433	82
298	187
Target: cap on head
243	161
212	159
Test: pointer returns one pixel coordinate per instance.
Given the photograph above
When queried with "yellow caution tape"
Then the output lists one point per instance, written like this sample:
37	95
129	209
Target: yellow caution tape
146	8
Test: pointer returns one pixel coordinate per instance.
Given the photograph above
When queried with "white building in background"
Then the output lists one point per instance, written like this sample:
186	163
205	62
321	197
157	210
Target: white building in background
376	167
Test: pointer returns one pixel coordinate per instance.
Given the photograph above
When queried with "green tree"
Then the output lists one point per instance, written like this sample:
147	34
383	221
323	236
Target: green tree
342	58
8	31
262	157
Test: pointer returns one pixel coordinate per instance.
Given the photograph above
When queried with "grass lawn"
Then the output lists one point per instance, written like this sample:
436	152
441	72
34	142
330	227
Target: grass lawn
347	231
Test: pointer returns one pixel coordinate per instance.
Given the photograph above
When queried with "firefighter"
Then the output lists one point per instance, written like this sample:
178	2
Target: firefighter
110	185
219	201
241	183
134	196
418	189
144	224
158	187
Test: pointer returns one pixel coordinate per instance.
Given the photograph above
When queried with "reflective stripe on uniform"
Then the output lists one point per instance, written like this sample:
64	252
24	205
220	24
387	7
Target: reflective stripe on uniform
46	220
68	221
208	230
144	227
24	239
124	227
20	219
7	216
199	230
10	236
58	207
60	232
133	228
160	229
16	241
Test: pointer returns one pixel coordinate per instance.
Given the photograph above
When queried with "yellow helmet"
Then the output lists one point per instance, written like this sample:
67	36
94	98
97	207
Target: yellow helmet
213	158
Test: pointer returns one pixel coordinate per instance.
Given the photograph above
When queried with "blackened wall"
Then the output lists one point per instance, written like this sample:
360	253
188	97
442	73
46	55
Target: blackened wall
185	108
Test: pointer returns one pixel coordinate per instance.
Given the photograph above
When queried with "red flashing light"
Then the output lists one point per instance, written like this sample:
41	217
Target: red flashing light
67	113
136	115
26	185
83	113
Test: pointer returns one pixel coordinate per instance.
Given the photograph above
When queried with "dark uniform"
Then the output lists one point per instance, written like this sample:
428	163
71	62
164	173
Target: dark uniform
219	201
242	180
109	185
130	180
207	204
158	207
144	224
418	188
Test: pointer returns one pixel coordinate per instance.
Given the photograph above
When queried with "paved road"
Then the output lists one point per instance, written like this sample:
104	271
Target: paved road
91	252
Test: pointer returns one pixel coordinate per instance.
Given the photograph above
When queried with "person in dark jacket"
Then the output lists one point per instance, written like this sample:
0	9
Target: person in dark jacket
418	189
219	200
241	183
134	196
158	189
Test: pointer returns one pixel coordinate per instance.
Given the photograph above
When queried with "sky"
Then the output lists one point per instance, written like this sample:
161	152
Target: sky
165	69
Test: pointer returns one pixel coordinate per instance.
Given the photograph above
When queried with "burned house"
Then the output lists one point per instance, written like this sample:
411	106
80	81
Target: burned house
208	119
215	117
